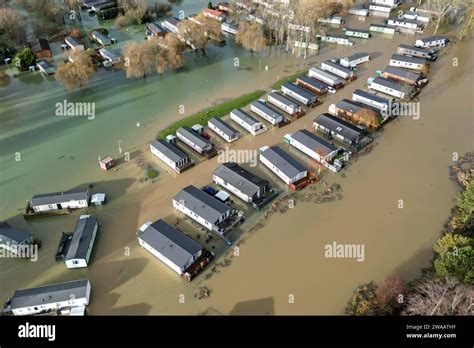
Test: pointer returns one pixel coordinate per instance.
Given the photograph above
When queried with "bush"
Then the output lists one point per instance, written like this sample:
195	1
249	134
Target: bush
24	59
152	173
109	13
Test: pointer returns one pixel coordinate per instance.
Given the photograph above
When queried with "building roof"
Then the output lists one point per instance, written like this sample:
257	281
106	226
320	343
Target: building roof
356	56
60	197
173	21
44	64
192	136
11	235
339	126
109	54
226	128
201	203
349	105
313	142
244	116
333	78
73	41
414	48
263	107
433	38
282	99
403	20
338	67
211	11
170	242
240	178
405	73
313	82
398	86
284	162
100	36
155	27
380	25
371	96
414	60
47	294
358	30
169	150
300	91
81	238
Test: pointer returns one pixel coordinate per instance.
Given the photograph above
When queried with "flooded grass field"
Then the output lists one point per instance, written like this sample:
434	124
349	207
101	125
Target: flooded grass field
280	256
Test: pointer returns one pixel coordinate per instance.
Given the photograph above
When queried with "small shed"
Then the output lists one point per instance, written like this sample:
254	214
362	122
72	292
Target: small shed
98	199
222	196
107	163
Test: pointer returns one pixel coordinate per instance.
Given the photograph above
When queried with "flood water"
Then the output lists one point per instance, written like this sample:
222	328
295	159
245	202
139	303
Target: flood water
283	259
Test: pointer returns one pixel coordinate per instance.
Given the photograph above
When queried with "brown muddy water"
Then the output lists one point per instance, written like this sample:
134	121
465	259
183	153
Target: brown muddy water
281	267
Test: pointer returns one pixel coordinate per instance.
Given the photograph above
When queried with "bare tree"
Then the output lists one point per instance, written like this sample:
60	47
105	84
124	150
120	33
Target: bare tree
11	22
139	58
76	74
251	36
444	9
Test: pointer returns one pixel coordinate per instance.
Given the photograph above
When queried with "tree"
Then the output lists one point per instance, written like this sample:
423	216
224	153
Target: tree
211	27
390	295
193	33
466	203
174	51
455	258
139	58
363	301
12	23
76	74
444	9
251	36
24	59
433	296
209	5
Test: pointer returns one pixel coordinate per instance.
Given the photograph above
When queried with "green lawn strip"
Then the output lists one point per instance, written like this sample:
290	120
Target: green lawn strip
291	78
218	110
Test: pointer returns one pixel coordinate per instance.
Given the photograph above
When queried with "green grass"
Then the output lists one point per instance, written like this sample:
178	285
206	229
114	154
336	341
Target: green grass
152	173
291	78
218	110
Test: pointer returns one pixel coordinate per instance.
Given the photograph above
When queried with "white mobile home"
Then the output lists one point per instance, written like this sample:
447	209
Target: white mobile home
154	29
82	242
324	76
100	38
247	122
285	104
72	199
416	52
169	245
360	33
355	59
74	43
300	94
237	180
413	63
223	129
203	208
52	297
339	129
109	55
170	154
392	88
382	28
391	3
432	41
358	11
283	165
45	67
417	16
313	146
14	240
338	69
261	108
229	28
380	8
404	75
405	24
193	140
337	20
337	39
171	24
372	100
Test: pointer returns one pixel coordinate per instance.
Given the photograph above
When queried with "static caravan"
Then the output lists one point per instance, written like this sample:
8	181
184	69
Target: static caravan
74	43
100	38
45	67
300	94
170	154
391	3
313	146
53	297
282	164
372	100
337	20
239	181
73	199
110	55
229	28
169	245
380	8
154	29
223	129
405	24
358	11
417	16
214	14
363	34
413	63
82	242
171	24
15	241
312	84
194	140
285	104
390	87
416	52
382	28
404	75
432	41
324	76
261	108
203	208
247	122
339	129
337	39
338	69
355	59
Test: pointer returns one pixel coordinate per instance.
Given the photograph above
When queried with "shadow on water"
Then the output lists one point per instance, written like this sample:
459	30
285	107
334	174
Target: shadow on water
262	306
